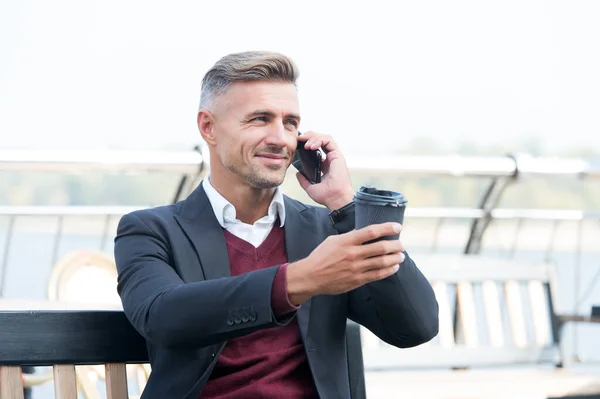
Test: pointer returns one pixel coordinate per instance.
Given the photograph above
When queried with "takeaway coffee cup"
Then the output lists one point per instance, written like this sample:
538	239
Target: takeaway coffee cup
375	206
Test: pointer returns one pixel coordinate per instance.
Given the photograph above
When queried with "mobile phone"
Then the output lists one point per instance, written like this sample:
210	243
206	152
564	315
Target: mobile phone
308	162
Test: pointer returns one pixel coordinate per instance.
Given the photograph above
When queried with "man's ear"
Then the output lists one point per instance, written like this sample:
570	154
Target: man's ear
206	126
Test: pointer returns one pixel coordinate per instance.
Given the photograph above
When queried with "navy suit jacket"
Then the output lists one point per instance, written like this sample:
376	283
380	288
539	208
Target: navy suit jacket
177	291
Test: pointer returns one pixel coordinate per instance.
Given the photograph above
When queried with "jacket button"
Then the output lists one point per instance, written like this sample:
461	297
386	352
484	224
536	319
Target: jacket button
245	318
253	316
238	319
229	322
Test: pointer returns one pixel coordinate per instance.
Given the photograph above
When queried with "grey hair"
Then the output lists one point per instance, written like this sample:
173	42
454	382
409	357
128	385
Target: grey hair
245	67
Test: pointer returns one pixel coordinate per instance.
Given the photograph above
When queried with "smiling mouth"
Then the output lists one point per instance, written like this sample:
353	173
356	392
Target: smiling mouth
272	156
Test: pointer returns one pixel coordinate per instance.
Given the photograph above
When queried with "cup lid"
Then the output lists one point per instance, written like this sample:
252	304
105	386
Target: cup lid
375	196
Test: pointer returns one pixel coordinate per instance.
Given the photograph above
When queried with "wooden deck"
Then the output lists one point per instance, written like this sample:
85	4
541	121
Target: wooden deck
525	383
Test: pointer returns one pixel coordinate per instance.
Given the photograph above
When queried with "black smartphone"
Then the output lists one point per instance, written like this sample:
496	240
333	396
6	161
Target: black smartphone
308	162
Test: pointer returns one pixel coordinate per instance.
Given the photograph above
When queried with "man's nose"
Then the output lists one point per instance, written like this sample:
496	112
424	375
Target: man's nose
278	136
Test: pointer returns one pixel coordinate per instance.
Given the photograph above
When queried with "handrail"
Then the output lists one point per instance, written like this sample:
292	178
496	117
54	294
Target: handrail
70	210
544	214
69	161
475	166
113	161
449	165
423	212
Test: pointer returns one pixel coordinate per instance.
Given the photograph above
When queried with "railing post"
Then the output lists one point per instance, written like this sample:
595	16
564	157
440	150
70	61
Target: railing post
4	264
488	202
189	181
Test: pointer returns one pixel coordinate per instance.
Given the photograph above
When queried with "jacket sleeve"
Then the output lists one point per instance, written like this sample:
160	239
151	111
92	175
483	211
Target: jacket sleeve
402	309
169	312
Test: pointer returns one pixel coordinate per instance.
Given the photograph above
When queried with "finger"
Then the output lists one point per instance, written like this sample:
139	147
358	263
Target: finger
306	136
382	247
313	143
304	183
325	166
318	140
381	262
379	274
374	232
325	142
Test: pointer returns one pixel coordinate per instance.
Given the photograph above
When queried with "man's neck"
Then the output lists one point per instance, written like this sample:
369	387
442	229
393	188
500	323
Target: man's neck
250	203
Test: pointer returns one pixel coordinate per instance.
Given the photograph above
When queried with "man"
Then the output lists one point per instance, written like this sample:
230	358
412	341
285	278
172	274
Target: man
242	292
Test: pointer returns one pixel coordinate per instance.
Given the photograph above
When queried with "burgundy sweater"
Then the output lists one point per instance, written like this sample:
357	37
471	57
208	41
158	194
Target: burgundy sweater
269	363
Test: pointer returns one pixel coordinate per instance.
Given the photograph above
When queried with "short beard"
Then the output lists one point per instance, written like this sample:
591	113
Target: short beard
255	179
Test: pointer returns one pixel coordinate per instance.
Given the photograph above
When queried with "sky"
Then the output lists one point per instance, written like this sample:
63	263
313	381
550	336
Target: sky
376	75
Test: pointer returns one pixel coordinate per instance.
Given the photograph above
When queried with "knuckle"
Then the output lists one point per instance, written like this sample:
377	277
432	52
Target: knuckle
386	246
399	246
352	254
392	261
356	268
371	232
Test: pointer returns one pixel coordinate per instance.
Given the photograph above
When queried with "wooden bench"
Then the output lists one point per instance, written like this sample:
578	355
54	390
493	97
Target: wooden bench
493	314
65	338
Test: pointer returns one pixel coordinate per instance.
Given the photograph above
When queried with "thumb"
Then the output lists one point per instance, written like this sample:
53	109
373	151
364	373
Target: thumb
304	183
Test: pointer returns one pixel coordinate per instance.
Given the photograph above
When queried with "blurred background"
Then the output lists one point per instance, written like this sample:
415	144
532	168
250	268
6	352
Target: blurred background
483	113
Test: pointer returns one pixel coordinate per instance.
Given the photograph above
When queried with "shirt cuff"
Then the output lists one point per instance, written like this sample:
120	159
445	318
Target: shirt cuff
280	302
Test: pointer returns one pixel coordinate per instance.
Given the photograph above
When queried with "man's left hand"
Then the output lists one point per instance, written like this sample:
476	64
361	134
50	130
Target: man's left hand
335	189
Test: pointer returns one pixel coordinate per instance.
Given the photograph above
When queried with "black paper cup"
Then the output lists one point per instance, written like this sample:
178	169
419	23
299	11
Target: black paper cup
375	206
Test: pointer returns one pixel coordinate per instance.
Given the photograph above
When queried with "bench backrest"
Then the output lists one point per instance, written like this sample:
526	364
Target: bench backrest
47	337
491	312
63	339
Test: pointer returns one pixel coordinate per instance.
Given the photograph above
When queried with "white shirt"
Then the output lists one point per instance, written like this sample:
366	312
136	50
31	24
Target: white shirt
226	215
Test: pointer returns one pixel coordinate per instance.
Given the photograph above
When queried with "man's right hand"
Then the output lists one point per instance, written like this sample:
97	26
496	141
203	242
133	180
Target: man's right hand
342	263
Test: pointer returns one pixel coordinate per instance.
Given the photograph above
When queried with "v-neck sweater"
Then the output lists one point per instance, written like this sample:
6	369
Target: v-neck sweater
269	363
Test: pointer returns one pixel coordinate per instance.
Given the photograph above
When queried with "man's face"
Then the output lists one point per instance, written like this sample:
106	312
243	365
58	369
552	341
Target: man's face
255	131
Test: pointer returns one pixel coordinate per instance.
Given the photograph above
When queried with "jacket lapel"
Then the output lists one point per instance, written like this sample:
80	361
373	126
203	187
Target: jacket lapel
300	241
198	222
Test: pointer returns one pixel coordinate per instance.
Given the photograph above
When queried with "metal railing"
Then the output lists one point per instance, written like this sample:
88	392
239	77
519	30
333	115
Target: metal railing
192	166
423	213
188	162
477	166
111	161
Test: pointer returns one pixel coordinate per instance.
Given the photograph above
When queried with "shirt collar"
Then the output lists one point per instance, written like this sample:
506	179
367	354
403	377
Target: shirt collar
225	211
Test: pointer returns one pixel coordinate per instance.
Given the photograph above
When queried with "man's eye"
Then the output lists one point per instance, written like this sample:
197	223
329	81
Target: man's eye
260	119
293	122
